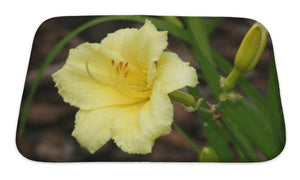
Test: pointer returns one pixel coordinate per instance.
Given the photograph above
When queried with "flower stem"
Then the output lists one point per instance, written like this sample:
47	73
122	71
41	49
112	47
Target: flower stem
185	136
231	80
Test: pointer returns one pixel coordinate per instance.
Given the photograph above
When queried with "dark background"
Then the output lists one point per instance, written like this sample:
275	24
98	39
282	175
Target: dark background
47	135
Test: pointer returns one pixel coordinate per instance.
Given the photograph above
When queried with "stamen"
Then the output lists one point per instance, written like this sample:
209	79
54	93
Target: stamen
112	62
121	64
126	73
90	74
117	69
126	64
121	82
103	79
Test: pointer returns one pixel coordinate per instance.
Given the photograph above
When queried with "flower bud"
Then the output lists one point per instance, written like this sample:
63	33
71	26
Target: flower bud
251	48
248	54
208	155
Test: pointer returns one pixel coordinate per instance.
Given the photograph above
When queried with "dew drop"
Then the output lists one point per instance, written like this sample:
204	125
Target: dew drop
179	65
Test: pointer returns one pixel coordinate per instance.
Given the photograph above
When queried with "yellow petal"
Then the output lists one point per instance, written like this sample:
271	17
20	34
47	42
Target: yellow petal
122	41
92	127
151	45
127	132
173	73
78	88
139	47
157	115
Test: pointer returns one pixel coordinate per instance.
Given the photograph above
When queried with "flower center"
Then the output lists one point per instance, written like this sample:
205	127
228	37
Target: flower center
118	78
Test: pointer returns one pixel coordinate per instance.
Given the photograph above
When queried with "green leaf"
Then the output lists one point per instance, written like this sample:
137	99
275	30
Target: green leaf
240	141
200	39
274	104
216	138
174	20
200	42
212	24
252	125
259	126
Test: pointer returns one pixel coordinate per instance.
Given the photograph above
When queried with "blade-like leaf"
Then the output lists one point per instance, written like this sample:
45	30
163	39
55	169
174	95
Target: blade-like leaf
239	140
251	125
212	24
200	42
216	138
274	103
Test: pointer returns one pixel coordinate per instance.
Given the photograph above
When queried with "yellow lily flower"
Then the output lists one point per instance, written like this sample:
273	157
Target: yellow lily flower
121	87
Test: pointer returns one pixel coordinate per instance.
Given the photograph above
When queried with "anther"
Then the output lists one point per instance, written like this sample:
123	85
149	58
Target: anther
112	62
121	64
126	73
126	64
117	69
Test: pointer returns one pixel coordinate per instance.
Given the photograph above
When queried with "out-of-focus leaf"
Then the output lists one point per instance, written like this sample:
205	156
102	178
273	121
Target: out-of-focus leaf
196	26
239	139
252	126
274	103
174	20
212	24
216	138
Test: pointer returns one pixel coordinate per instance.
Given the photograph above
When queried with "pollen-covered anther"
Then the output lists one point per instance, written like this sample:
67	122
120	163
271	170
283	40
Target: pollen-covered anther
126	64
118	68
126	73
121	64
112	62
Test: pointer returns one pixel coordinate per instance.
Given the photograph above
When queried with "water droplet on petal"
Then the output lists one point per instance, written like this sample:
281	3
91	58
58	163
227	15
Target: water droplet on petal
179	65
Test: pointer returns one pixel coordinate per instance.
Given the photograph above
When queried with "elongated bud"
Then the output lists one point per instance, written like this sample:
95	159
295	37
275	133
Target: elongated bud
251	48
190	103
208	155
248	54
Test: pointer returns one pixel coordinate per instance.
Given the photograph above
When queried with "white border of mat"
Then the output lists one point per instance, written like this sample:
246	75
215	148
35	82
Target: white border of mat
19	21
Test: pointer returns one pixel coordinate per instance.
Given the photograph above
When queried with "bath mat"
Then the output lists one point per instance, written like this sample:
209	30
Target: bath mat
151	88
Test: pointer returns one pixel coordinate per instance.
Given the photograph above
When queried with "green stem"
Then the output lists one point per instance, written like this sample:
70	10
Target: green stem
184	135
231	80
